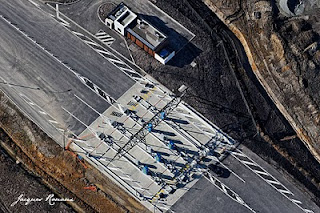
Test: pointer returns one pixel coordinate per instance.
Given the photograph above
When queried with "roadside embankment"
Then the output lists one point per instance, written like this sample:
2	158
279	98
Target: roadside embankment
275	71
57	169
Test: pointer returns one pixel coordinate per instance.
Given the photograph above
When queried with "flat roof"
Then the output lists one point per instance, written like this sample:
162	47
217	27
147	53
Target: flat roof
144	31
118	11
126	17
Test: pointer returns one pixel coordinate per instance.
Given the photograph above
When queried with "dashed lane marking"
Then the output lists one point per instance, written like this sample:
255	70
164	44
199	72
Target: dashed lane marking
108	55
103	52
77	33
226	190
96	89
65	24
53	121
49	118
83	79
267	177
35	4
90	42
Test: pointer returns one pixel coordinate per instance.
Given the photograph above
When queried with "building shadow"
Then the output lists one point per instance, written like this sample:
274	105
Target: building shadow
176	42
173	140
163	153
191	152
164	132
149	165
176	164
219	171
180	121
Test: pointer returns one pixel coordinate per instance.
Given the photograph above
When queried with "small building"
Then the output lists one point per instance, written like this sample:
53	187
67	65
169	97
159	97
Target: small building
128	24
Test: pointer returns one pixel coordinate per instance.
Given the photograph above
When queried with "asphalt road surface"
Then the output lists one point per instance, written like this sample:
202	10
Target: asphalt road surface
30	74
41	85
256	192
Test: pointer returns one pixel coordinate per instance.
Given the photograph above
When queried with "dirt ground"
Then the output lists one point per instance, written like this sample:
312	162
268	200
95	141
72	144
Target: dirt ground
23	183
214	91
57	168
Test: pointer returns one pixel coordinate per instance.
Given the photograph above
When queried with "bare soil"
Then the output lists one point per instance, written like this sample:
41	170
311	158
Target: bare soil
57	168
24	183
213	91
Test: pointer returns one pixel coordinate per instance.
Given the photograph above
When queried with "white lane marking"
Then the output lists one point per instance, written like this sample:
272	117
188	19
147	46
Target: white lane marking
273	183
100	33
95	89
35	4
219	162
248	163
261	172
239	153
285	191
117	61
104	37
226	190
307	211
89	33
53	121
112	168
77	33
104	52
90	42
65	24
90	107
296	201
235	174
36	107
107	40
79	120
128	70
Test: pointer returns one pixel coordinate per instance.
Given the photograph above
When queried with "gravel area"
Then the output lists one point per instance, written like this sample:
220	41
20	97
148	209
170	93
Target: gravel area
16	181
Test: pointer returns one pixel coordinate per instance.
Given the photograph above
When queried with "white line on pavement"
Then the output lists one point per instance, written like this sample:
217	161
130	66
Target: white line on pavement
35	4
